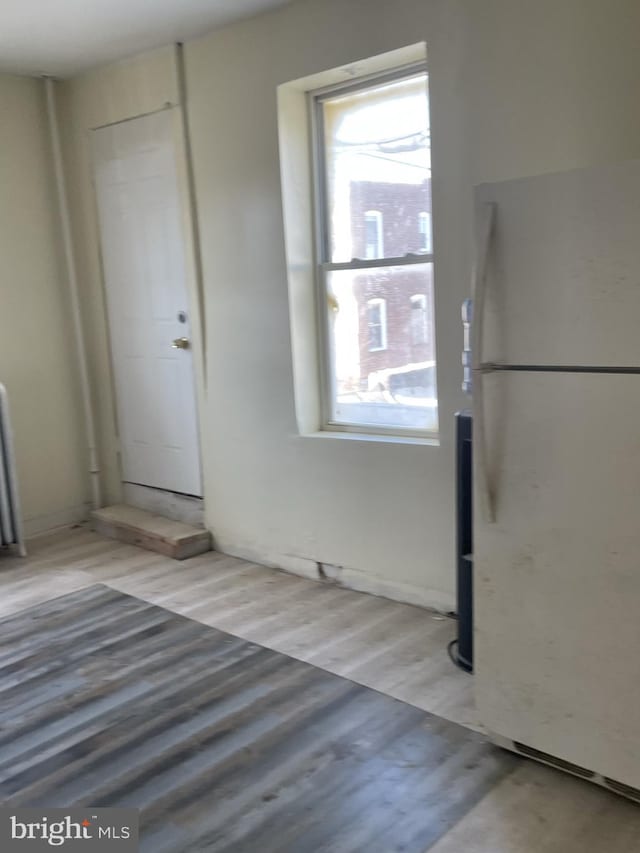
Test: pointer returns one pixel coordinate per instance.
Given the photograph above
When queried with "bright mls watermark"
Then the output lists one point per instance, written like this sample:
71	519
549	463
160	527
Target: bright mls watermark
36	830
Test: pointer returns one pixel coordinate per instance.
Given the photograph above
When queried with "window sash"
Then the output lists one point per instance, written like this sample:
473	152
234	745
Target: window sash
365	263
324	266
326	364
319	154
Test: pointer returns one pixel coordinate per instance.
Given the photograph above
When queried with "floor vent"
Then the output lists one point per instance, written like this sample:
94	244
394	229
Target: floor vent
530	752
621	788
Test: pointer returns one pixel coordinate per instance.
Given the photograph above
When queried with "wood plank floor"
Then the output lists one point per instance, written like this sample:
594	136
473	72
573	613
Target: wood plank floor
394	648
223	745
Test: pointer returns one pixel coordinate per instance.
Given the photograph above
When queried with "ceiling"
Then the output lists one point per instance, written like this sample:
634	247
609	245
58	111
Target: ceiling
64	37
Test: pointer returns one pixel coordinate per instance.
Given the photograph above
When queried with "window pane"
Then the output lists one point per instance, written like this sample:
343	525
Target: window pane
378	169
380	375
377	324
375	329
373	234
425	232
419	319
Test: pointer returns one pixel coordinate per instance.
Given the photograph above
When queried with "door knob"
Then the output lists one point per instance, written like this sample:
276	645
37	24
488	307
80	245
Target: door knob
180	343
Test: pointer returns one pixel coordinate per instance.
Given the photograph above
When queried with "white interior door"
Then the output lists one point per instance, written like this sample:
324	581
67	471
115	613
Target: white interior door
145	278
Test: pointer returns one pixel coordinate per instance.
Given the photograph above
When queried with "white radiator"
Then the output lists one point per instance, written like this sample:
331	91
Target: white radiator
10	520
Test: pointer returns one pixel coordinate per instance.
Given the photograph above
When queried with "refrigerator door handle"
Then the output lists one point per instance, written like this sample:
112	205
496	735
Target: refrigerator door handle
485	233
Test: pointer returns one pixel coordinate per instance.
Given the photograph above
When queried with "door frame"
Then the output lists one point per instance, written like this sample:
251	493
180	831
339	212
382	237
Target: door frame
193	275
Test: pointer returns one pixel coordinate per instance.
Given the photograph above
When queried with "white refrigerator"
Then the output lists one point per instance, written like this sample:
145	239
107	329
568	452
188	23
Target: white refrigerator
556	400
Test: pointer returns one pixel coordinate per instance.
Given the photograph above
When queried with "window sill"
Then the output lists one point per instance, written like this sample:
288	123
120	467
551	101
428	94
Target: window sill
428	441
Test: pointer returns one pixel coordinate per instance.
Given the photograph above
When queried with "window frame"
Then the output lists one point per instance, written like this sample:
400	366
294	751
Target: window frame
323	265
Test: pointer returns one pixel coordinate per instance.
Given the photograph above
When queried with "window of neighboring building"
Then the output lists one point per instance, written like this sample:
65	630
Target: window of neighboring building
424	223
372	153
419	328
373	234
377	324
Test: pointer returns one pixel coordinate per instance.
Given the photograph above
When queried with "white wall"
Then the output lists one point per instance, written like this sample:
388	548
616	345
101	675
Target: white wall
517	88
37	358
383	511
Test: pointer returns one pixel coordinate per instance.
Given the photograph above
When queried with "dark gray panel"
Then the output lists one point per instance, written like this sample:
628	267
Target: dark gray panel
106	700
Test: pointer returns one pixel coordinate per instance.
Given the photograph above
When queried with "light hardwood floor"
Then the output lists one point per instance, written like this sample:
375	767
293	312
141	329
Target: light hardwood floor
395	648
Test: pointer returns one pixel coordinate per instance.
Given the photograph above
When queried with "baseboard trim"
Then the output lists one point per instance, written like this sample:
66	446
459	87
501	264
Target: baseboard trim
355	579
46	523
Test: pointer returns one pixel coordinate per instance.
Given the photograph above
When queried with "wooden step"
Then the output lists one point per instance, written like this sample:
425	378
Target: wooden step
153	532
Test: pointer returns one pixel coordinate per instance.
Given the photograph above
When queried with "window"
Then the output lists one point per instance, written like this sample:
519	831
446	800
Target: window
373	180
373	234
377	324
424	224
419	329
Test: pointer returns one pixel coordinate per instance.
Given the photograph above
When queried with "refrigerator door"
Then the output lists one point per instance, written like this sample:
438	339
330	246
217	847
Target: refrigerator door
557	577
563	285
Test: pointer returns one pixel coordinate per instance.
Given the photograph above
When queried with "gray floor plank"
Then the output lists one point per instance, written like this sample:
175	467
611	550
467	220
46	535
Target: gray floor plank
222	744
